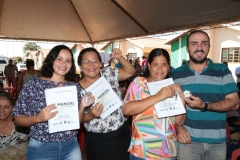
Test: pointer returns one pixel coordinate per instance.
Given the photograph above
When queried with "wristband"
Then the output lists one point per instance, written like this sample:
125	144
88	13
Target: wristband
205	108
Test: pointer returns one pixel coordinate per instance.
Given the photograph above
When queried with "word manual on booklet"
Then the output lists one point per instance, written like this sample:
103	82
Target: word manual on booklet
66	101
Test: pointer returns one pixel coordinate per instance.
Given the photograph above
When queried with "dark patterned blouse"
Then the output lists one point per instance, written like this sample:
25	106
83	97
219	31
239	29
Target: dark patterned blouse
32	100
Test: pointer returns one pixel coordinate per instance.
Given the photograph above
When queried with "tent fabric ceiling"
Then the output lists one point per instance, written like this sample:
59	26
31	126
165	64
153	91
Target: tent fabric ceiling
91	21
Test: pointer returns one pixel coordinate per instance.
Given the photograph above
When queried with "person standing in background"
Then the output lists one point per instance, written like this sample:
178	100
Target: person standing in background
137	67
130	61
123	85
27	75
10	71
184	62
144	62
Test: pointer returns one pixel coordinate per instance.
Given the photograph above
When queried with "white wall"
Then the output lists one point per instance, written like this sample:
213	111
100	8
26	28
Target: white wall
105	57
131	48
224	38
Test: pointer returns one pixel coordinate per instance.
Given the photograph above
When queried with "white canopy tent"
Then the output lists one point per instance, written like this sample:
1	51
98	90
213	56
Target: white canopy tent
91	21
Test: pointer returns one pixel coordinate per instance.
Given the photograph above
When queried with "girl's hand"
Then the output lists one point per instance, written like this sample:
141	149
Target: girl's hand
47	113
96	110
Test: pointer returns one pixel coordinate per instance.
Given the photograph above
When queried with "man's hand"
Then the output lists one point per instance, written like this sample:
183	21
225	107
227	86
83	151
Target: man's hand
183	135
194	102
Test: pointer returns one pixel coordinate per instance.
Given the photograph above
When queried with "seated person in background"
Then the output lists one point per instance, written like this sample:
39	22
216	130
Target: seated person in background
27	75
13	144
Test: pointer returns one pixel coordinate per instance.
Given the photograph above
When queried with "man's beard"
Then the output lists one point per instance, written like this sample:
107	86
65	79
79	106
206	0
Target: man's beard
196	61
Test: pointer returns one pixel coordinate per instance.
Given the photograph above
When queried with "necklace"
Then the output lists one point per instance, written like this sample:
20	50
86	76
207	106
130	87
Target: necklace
58	84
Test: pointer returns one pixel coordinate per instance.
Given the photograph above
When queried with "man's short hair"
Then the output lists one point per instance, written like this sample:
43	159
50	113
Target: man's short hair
198	31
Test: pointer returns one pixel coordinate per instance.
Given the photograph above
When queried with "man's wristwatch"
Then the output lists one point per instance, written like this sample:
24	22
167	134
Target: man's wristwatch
205	108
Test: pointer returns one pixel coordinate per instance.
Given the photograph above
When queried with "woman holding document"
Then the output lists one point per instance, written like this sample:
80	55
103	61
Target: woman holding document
153	138
31	110
109	138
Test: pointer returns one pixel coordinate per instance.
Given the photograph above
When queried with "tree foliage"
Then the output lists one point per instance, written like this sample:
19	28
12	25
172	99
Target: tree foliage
17	59
31	46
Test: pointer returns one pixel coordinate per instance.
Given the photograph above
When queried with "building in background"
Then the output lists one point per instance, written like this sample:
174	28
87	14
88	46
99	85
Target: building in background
133	48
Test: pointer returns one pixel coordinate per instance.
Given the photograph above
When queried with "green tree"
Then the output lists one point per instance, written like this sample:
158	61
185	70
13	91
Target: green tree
17	59
31	46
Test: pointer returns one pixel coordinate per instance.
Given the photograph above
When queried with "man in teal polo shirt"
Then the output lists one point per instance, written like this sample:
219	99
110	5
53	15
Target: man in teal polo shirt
213	92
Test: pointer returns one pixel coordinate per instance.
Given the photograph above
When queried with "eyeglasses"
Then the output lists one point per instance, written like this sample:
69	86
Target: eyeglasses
88	62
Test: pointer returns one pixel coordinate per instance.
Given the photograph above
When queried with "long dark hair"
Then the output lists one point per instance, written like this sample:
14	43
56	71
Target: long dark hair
29	63
47	68
154	53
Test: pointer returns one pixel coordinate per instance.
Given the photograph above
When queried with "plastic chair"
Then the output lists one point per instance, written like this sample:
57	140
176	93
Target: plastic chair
81	136
236	152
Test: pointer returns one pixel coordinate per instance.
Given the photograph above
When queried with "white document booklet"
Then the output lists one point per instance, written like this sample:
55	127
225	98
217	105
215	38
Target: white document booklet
104	94
170	106
66	101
